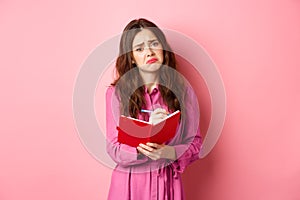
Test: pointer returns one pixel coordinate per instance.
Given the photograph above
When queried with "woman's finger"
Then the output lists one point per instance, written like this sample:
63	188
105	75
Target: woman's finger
156	118
160	110
155	145
148	153
143	151
149	148
159	116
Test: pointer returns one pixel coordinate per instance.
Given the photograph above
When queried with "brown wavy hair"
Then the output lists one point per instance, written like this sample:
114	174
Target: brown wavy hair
129	86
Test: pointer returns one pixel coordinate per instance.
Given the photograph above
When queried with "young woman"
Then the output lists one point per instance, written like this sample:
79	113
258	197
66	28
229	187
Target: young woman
147	79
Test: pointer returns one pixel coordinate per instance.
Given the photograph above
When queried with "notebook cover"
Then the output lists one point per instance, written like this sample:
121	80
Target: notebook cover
133	132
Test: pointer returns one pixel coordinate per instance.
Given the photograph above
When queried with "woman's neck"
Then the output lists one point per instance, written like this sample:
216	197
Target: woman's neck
150	80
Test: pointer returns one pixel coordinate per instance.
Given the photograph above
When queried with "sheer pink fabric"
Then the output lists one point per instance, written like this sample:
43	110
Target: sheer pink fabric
137	177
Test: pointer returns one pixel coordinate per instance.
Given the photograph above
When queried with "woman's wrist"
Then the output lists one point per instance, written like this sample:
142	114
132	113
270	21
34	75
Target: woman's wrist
171	153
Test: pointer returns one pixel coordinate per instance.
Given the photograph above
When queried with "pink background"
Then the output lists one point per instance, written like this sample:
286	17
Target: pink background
255	44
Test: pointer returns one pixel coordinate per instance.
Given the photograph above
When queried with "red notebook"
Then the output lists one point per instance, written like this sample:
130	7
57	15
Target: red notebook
133	131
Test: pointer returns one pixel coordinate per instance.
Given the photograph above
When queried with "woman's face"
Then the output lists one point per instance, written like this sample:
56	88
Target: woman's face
147	51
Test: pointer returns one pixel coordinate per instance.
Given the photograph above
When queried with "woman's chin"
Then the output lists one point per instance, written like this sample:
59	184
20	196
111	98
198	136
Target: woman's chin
154	67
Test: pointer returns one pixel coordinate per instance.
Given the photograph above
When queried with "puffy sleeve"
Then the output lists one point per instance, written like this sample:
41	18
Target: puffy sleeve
122	154
189	143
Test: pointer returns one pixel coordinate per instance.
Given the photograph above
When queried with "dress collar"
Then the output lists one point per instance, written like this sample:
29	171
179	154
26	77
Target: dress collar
154	90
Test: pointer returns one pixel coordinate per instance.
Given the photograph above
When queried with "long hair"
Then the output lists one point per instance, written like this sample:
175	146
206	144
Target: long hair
129	86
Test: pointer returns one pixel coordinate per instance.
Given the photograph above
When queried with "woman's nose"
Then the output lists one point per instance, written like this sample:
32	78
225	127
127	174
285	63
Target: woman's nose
149	51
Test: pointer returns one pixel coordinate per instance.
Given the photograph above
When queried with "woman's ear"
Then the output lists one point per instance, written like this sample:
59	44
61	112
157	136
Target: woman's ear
133	63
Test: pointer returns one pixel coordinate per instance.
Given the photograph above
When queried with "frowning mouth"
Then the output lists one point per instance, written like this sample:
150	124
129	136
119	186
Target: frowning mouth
153	60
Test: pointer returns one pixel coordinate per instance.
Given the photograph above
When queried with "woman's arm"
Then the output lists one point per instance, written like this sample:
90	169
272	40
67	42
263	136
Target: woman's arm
122	154
187	151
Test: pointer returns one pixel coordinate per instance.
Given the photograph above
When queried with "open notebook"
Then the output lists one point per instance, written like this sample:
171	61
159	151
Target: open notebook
134	131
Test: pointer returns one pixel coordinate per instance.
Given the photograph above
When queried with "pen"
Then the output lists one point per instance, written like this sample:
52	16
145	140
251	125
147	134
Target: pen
150	111
146	111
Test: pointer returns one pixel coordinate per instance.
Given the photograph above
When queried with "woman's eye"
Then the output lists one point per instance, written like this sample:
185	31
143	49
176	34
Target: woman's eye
155	44
139	49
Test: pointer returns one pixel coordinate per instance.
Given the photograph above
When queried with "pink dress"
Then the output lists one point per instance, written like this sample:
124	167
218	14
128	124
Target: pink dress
137	177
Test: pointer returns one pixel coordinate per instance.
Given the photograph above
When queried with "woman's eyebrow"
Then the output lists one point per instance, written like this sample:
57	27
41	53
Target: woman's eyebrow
152	40
140	44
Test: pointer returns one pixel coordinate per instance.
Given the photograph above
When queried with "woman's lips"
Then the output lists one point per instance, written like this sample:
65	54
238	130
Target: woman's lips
153	60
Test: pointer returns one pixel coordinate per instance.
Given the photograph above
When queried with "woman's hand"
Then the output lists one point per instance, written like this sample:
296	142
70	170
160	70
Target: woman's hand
158	115
157	151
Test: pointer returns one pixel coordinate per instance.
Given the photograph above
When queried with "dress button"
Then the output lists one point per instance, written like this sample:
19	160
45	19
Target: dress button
154	90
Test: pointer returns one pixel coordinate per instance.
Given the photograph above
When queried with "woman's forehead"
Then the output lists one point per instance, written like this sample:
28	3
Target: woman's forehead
143	36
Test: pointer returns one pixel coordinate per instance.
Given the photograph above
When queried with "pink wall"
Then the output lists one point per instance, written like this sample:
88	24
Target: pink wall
255	44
